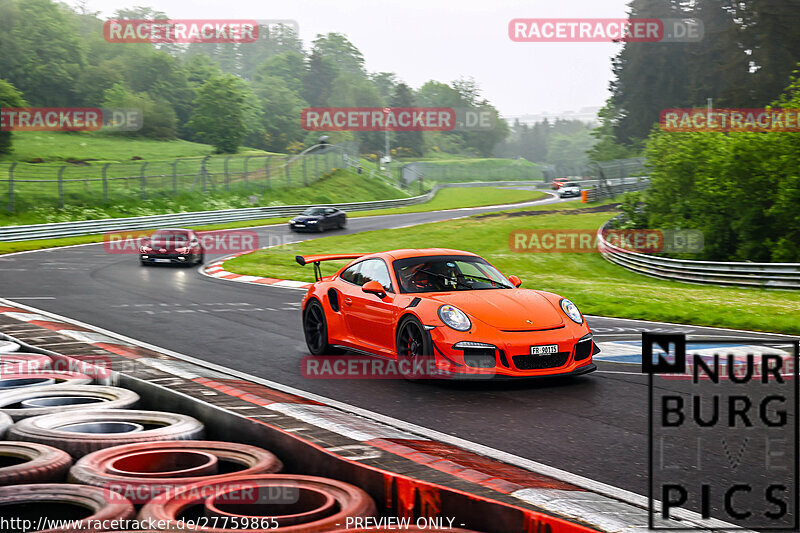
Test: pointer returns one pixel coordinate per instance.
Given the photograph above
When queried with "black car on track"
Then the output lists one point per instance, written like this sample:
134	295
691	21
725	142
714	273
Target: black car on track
319	219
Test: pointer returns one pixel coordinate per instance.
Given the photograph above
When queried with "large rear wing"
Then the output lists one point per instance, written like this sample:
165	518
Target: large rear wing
303	260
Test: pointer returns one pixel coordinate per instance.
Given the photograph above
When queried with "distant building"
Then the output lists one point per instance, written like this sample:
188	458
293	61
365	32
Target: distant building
585	114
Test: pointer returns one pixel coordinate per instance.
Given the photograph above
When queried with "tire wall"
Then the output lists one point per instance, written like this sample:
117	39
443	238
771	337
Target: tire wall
393	494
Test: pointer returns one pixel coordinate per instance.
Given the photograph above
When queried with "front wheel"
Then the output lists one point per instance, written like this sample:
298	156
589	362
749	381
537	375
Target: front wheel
315	328
414	350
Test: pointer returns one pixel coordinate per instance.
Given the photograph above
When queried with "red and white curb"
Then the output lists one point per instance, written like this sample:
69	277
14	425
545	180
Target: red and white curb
217	270
603	507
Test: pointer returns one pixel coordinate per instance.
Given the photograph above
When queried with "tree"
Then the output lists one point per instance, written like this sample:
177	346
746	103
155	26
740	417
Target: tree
218	117
410	140
649	76
40	52
9	97
277	39
319	78
386	83
343	53
350	90
281	108
158	117
289	67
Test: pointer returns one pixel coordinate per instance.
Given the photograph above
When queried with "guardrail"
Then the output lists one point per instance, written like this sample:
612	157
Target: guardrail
741	274
603	189
199	218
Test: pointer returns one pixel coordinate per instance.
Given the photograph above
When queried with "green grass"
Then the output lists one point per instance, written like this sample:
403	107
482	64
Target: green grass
461	199
455	198
339	186
596	286
60	146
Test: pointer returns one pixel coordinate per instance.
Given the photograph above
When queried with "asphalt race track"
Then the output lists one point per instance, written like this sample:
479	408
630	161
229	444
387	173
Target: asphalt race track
594	426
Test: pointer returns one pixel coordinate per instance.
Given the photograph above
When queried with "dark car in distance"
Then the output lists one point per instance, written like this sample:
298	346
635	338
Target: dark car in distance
319	219
178	245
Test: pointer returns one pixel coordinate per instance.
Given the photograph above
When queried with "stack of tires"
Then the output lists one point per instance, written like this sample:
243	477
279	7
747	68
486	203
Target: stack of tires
77	451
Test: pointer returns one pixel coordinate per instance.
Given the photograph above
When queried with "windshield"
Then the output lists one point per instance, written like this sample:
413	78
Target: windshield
313	211
170	237
447	273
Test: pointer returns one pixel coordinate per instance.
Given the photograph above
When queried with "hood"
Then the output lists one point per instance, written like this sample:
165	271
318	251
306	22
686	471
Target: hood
169	246
508	309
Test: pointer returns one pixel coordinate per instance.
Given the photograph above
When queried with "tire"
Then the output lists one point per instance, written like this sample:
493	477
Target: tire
342	223
46	429
201	259
414	349
315	329
16	380
30	462
339	500
5	423
22	362
103	468
108	398
35	501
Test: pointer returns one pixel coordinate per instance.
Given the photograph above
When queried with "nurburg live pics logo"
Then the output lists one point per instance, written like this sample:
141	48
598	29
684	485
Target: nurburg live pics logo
722	441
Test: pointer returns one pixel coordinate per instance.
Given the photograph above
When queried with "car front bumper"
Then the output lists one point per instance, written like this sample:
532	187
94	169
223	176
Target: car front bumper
511	355
168	258
305	227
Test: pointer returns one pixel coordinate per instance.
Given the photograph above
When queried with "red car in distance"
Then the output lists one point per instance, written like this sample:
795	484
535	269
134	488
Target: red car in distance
558	182
172	246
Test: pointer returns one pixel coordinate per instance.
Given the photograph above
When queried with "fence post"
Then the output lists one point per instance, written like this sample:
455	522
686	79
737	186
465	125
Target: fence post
204	172
246	180
316	168
268	185
286	166
143	181
105	181
11	186
61	186
305	158
227	176
175	177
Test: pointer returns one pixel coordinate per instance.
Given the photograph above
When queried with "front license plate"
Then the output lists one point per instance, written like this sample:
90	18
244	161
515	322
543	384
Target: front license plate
162	260
544	350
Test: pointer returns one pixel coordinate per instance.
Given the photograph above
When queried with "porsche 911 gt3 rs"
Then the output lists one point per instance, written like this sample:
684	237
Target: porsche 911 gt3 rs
448	307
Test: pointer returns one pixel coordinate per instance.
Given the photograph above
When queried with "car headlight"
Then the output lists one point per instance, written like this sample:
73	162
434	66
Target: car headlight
571	311
454	318
312	221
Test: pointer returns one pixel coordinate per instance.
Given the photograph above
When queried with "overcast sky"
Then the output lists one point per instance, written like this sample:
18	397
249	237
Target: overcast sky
443	40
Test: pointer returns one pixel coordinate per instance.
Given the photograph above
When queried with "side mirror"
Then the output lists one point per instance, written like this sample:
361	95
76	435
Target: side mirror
373	287
515	281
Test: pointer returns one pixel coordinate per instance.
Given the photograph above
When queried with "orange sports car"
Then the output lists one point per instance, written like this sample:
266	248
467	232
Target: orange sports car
450	309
